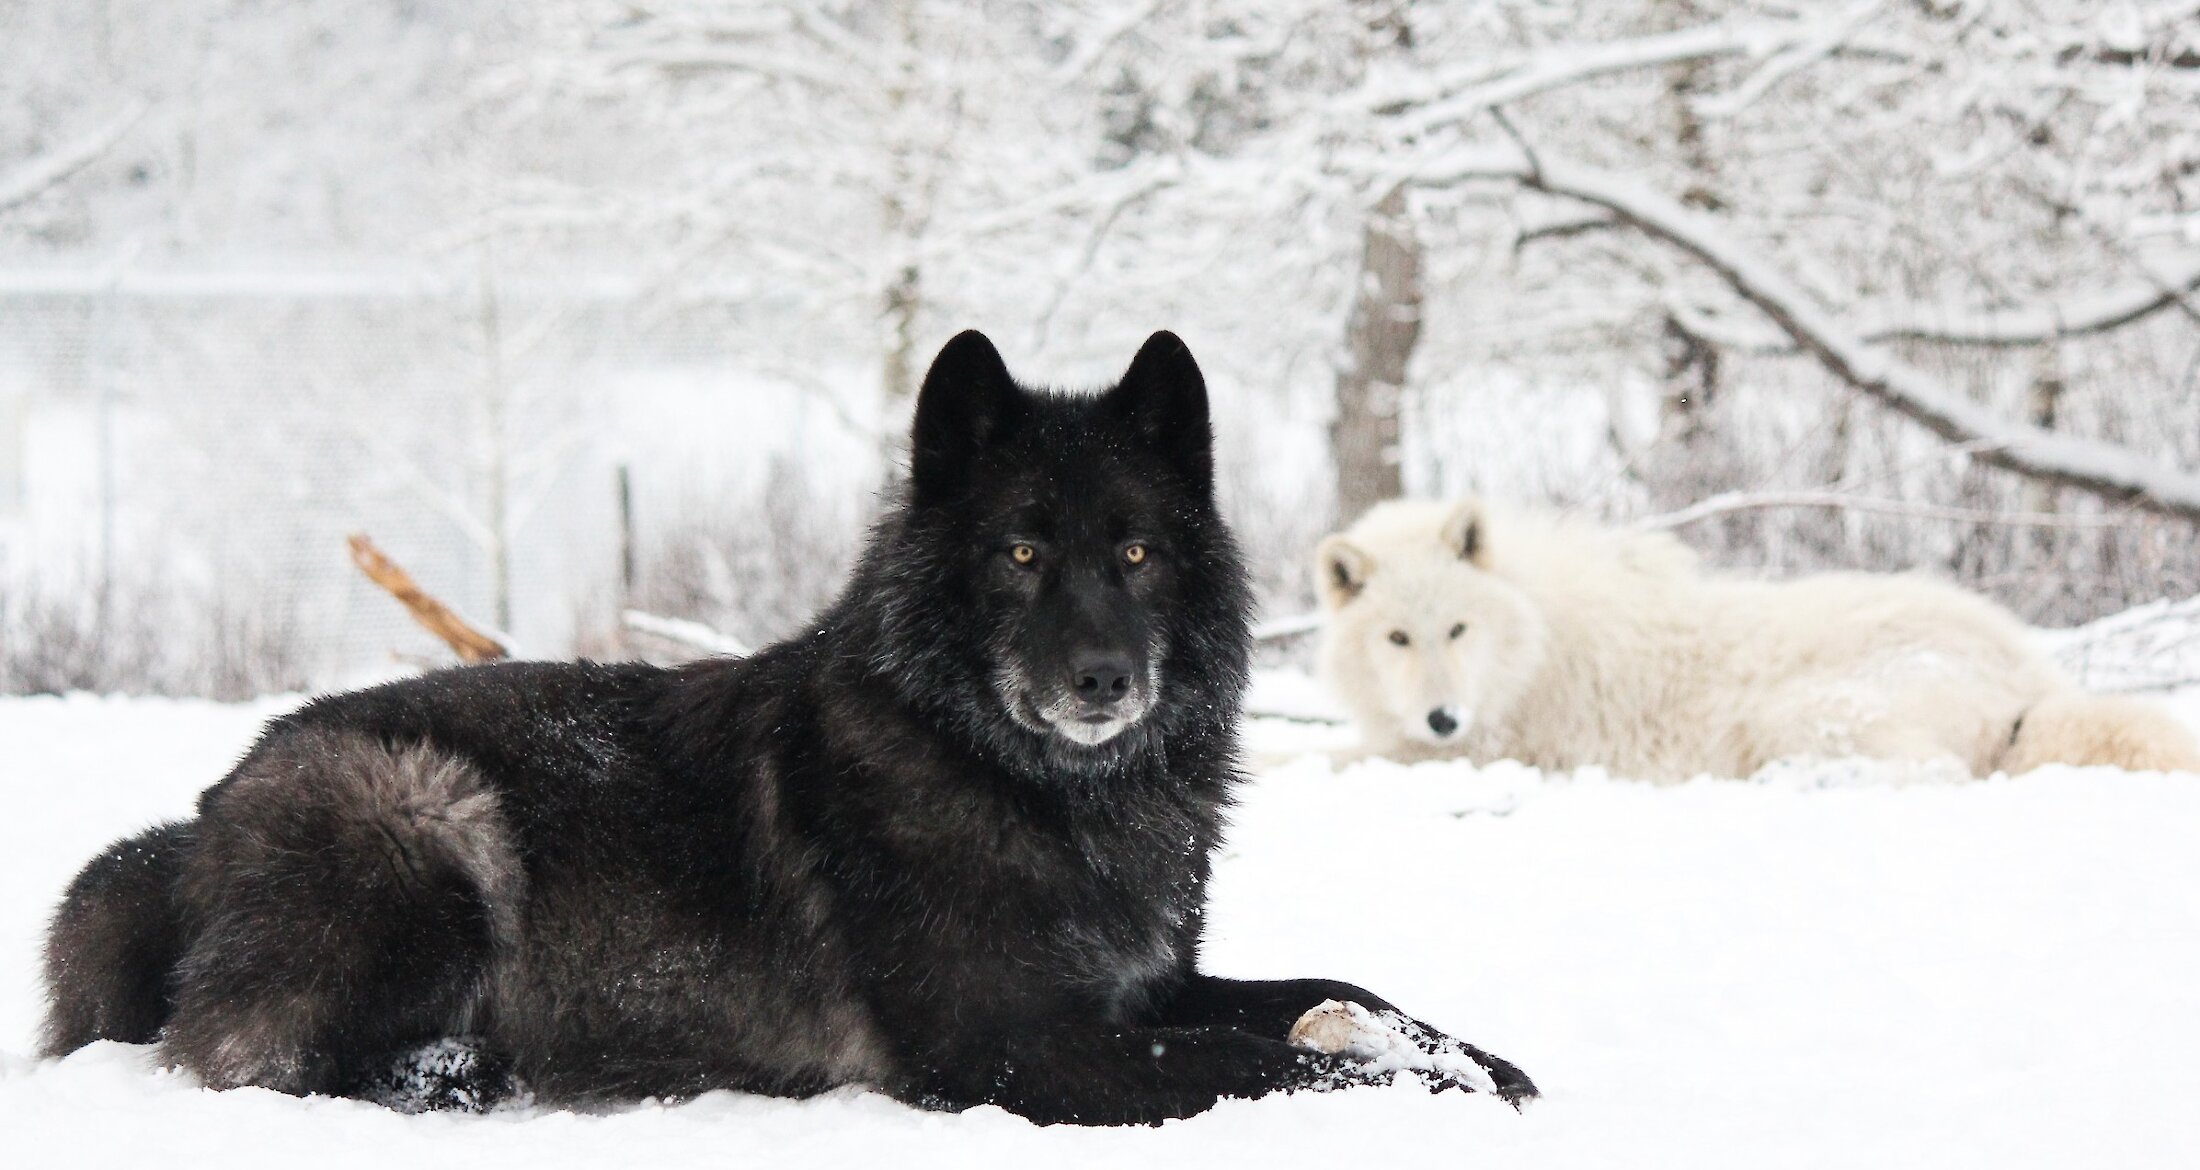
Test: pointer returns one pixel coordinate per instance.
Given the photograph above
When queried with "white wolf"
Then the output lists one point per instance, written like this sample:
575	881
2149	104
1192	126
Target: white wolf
1463	629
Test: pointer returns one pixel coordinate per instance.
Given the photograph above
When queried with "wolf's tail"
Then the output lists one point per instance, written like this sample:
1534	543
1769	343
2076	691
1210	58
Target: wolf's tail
114	943
2077	728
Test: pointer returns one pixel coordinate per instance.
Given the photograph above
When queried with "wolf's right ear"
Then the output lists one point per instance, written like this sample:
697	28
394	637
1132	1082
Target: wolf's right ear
1466	533
1340	571
967	401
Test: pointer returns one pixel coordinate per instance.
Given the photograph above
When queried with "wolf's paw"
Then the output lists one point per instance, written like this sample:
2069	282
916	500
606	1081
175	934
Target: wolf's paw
452	1074
1389	1043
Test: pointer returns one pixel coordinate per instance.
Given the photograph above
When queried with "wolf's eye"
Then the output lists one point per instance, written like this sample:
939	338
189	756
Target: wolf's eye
1459	629
1023	554
1134	554
1398	638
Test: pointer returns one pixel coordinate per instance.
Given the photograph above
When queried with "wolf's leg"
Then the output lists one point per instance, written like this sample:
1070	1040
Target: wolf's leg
114	943
347	897
1264	1007
1128	1077
1276	1008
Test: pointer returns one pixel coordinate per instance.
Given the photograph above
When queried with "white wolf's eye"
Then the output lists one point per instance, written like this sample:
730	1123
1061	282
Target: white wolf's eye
1398	638
1023	554
1459	629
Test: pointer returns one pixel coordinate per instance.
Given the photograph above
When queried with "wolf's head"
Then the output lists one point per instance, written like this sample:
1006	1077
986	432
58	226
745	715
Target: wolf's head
1424	640
1059	583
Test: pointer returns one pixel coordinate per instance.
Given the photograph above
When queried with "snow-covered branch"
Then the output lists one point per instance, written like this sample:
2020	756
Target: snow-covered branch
694	635
2153	647
2009	327
1788	62
686	60
1276	629
1095	45
2037	324
2104	469
1449	103
39	175
1754	501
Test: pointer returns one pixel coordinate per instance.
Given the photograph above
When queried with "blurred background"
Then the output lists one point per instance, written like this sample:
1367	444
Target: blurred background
576	307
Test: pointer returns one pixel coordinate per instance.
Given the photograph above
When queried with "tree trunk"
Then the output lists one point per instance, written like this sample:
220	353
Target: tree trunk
1384	327
904	297
2043	408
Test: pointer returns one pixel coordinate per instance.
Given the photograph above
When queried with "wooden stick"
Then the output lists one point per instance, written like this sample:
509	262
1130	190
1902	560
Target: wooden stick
470	644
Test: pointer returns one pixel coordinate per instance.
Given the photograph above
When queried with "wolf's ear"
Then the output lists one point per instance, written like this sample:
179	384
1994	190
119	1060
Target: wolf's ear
1164	395
1340	571
1466	533
967	400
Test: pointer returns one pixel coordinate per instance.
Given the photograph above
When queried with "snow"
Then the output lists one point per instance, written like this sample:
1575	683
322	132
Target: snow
1834	965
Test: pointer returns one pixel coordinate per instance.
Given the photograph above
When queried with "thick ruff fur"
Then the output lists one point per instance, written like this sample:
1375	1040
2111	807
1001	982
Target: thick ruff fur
952	842
1465	629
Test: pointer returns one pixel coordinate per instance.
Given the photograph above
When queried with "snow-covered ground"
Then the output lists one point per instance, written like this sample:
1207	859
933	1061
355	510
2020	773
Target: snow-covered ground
1825	967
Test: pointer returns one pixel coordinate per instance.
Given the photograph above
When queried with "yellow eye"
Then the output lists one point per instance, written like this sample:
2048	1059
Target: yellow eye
1135	554
1023	554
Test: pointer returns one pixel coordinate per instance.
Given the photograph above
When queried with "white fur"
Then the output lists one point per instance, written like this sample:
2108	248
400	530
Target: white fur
1588	645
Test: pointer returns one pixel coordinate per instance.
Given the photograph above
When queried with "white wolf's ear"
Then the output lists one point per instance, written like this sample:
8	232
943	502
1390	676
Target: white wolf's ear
1466	533
966	402
1165	397
1341	569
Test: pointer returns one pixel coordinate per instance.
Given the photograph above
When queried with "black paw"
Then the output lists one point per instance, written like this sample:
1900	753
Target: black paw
449	1075
1512	1085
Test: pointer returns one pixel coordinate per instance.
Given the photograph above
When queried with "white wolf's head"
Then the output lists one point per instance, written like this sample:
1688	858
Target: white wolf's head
1424	641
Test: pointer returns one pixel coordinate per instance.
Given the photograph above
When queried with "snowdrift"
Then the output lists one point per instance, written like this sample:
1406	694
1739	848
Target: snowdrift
1828	965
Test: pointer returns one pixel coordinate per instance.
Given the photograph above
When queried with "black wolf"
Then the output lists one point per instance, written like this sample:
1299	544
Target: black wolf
952	842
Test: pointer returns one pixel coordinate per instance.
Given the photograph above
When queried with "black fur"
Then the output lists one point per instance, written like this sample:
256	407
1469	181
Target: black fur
882	852
115	941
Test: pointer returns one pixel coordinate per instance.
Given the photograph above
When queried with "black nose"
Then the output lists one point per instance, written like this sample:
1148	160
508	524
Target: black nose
1101	679
1441	722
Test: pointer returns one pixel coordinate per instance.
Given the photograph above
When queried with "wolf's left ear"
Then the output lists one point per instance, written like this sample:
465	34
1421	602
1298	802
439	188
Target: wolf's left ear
1466	533
1164	395
966	402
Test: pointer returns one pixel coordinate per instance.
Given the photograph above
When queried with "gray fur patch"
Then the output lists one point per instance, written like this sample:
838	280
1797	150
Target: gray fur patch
308	859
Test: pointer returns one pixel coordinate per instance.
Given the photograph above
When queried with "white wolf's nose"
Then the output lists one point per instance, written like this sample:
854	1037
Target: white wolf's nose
1442	722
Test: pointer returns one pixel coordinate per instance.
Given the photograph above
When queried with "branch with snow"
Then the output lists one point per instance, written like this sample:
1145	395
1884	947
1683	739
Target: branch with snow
1449	103
1729	502
2154	647
694	635
1788	62
1277	629
2041	324
42	174
2103	469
